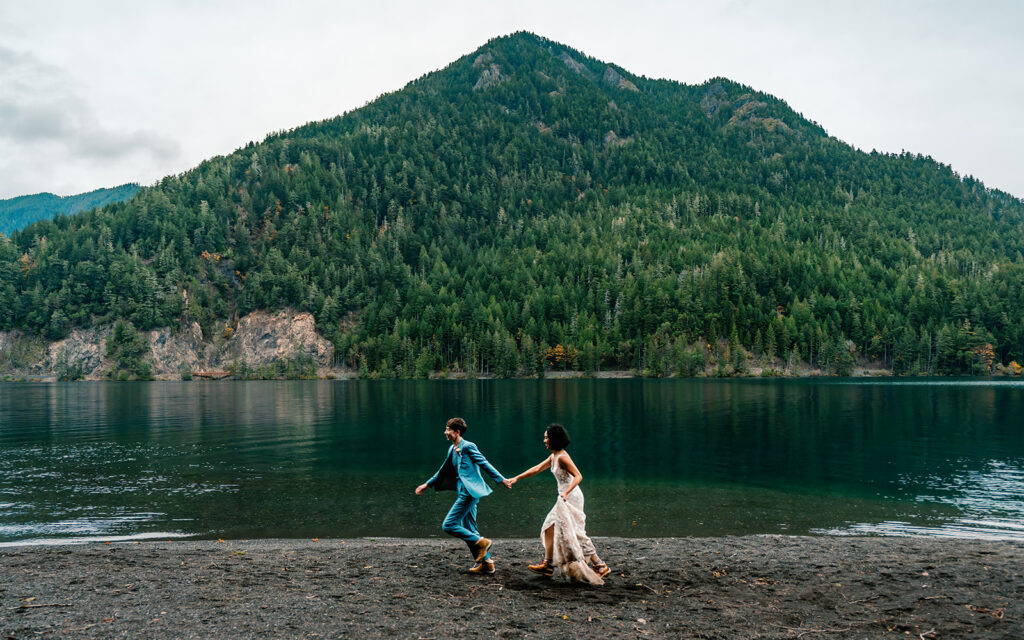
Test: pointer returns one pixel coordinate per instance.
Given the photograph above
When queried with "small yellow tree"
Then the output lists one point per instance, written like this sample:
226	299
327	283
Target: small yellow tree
984	355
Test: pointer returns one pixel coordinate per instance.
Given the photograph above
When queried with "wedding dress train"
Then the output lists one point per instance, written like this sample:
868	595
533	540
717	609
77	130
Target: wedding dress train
572	546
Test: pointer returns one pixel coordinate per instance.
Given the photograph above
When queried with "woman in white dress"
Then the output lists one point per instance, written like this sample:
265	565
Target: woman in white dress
564	532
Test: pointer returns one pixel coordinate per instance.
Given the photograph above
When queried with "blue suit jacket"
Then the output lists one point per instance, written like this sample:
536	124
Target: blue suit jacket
468	471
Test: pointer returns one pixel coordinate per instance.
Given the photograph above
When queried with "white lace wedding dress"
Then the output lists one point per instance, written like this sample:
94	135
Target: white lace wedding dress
572	547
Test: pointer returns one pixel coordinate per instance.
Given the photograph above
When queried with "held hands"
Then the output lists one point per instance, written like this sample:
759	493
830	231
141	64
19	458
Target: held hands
508	482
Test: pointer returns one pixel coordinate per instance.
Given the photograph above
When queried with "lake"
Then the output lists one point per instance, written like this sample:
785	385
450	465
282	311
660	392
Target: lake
243	460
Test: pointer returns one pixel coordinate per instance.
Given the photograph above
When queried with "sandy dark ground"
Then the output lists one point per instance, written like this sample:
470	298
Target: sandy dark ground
743	587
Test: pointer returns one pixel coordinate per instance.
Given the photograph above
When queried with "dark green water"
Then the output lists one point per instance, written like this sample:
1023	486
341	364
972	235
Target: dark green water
103	461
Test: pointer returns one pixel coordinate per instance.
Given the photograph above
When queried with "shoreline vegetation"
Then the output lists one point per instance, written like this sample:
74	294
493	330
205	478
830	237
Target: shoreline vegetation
287	346
306	369
769	587
284	372
530	208
287	372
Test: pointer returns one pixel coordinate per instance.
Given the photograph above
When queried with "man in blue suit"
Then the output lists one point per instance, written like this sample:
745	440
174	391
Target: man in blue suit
461	473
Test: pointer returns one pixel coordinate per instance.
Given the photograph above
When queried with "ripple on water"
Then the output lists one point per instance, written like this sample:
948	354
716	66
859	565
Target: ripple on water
99	491
991	501
99	528
36	542
896	457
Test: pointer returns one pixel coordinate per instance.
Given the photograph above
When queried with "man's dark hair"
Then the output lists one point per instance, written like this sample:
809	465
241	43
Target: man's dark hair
457	424
557	436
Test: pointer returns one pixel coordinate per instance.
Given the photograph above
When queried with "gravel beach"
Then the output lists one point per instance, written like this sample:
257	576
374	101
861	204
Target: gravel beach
736	587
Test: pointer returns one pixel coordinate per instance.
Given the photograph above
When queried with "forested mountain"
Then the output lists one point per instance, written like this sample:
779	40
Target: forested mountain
529	207
18	213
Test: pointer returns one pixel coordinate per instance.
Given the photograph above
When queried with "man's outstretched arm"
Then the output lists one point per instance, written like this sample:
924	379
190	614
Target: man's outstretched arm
481	461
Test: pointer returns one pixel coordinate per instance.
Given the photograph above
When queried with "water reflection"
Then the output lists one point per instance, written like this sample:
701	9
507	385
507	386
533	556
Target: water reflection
675	457
989	504
71	539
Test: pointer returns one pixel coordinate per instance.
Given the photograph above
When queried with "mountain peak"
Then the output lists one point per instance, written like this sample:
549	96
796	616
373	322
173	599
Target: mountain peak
503	56
529	206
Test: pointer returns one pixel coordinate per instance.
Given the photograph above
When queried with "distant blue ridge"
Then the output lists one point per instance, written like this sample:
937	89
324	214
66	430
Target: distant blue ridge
17	213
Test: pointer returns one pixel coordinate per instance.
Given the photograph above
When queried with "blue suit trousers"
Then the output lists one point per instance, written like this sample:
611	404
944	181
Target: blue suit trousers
461	519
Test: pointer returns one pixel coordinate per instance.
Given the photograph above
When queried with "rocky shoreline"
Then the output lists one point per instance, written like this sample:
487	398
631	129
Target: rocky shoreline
253	341
732	587
257	339
261	340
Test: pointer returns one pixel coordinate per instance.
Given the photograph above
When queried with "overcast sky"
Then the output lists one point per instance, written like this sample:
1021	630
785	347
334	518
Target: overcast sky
99	93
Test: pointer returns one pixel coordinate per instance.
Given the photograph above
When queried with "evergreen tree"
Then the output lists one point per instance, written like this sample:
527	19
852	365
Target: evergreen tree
460	224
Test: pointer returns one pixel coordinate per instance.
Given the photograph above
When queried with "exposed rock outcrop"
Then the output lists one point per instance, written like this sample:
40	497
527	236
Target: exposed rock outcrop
490	75
745	111
173	352
257	339
713	99
86	348
262	338
615	79
613	140
7	339
21	353
570	62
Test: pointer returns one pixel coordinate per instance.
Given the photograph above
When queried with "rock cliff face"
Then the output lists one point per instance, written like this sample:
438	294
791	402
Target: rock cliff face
171	353
261	339
83	347
258	339
614	78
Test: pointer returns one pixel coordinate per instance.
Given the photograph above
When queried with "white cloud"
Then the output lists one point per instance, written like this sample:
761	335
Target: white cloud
108	91
49	131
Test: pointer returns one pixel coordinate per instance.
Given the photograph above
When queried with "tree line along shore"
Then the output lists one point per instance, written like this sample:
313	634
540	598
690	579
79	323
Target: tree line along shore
531	208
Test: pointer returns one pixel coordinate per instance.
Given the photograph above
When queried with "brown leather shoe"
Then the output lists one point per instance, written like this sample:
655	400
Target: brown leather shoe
600	569
487	566
482	545
544	568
